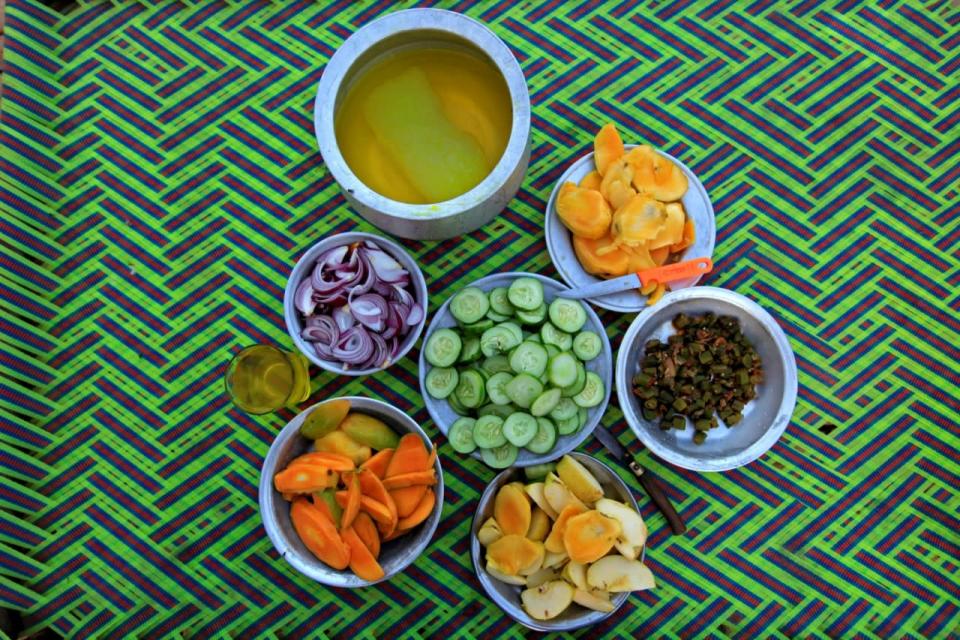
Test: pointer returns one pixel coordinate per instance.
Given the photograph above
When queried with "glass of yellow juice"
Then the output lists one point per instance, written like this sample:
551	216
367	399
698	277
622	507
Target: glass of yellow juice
263	378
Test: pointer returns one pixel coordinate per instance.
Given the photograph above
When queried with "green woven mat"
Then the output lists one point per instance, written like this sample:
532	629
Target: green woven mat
160	178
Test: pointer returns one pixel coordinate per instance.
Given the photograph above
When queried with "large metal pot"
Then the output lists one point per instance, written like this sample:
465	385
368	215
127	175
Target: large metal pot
453	217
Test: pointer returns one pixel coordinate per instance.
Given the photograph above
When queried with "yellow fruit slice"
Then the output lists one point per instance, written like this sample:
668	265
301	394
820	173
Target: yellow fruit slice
615	186
638	221
672	231
607	147
591	181
583	211
595	260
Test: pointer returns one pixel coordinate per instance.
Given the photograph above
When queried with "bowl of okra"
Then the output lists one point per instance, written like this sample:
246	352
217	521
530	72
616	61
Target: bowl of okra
513	375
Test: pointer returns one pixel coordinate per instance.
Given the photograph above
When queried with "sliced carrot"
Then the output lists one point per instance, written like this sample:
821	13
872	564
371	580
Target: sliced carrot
352	505
328	459
362	561
408	498
378	462
420	513
318	534
289	496
370	485
364	526
432	458
396	533
410	456
302	479
411	479
377	510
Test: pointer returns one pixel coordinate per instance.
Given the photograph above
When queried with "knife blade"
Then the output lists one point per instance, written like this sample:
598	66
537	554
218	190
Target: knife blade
666	273
650	482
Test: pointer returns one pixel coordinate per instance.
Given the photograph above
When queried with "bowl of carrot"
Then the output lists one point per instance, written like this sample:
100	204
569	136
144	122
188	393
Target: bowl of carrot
351	492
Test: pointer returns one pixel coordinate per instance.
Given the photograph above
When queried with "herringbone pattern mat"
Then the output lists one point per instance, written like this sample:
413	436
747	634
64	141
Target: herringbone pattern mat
160	178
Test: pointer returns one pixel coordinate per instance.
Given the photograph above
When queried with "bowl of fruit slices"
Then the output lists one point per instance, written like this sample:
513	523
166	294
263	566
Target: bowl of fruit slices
559	546
512	374
351	492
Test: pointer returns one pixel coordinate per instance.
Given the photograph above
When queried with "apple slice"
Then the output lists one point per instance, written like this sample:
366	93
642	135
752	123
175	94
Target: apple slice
558	495
489	532
537	578
633	530
579	480
553	560
535	491
548	600
576	574
596	600
617	574
502	577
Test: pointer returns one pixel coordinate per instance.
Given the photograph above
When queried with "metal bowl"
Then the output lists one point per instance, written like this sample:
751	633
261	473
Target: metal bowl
507	596
764	418
444	416
453	217
304	266
395	555
560	242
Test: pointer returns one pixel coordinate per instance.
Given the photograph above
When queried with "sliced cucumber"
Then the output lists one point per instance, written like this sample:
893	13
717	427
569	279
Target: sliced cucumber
544	440
533	316
488	432
545	402
519	428
592	393
582	416
470	389
470	350
551	335
469	305
443	348
461	435
563	370
500	457
499	302
523	390
567	315
534	338
538	471
515	329
576	387
565	409
529	357
568	425
496	364
551	350
496	317
478	327
525	294
587	345
502	411
498	339
497	387
456	405
441	381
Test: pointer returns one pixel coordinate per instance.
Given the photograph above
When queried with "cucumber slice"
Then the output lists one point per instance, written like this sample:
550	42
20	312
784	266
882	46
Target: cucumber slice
582	416
525	294
499	302
496	364
500	457
496	317
567	315
498	339
551	335
502	411
470	389
523	390
441	381
565	409
515	329
544	440
576	387
461	435
443	348
534	316
592	393
587	345
544	379
551	350
488	432
538	471
545	403
478	327
534	338
520	428
469	305
470	350
456	405
529	357
569	425
497	388
563	370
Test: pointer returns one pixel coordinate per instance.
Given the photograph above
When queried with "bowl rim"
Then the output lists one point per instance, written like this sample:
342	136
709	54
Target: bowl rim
550	223
787	402
580	436
267	495
461	27
484	578
291	315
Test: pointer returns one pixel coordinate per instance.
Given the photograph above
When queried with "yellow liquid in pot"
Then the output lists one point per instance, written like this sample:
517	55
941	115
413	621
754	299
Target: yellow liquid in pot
423	125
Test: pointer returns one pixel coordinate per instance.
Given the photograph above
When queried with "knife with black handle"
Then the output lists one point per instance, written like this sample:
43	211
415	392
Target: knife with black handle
650	482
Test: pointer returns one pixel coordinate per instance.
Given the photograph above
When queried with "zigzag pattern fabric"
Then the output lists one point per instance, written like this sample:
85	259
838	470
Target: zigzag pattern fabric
160	178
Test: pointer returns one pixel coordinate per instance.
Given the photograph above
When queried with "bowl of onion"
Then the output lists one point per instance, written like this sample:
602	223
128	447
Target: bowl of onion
355	303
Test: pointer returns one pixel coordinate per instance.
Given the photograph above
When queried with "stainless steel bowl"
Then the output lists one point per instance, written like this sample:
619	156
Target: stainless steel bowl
395	555
465	212
560	242
764	418
507	596
305	265
444	416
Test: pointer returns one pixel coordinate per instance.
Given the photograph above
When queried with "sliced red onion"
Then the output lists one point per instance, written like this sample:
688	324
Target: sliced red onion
402	295
303	298
415	316
323	350
381	355
343	318
323	329
370	310
354	347
388	269
394	348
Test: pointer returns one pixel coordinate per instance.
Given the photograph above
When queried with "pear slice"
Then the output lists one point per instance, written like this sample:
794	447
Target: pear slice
537	578
558	495
553	560
502	577
618	574
489	532
576	574
633	530
596	600
579	480
548	600
535	491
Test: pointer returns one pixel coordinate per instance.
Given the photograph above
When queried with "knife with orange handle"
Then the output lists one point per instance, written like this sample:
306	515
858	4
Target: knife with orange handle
666	273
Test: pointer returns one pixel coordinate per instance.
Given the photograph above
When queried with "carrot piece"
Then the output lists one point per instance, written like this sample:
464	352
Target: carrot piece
302	479
432	458
396	533
371	486
289	496
318	534
411	455
408	498
377	510
330	460
378	462
411	479
367	530
421	512
352	506
362	561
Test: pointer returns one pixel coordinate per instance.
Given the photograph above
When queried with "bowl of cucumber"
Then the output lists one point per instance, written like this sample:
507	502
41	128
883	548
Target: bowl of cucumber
512	374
